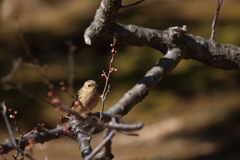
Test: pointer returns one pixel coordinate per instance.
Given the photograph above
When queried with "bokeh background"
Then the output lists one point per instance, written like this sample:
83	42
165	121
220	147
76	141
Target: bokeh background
192	114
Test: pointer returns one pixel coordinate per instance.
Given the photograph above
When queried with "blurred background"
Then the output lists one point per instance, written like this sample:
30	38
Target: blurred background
192	114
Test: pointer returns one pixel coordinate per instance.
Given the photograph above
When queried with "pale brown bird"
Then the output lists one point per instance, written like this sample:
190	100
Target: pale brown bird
86	99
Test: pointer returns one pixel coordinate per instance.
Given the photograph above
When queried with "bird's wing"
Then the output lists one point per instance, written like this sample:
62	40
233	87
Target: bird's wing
79	95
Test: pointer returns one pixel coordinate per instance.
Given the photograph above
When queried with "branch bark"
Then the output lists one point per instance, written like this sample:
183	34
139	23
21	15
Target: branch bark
173	43
142	88
198	48
37	137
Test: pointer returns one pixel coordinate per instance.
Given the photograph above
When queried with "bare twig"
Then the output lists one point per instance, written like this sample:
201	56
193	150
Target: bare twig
108	146
55	102
103	100
101	145
18	128
110	70
43	72
64	88
22	39
215	19
107	152
13	116
133	4
3	109
71	49
16	65
34	64
107	85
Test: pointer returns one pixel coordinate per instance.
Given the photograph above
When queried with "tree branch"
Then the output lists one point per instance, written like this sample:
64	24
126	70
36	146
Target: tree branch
215	19
103	21
142	88
44	136
101	145
16	65
133	4
203	50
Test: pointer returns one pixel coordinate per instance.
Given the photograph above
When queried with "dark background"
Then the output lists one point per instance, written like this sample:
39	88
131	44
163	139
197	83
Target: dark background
193	113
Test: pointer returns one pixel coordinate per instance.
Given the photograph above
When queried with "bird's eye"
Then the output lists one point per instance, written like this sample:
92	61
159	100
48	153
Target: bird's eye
89	85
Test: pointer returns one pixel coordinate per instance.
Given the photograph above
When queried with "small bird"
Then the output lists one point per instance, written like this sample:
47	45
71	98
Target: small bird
86	99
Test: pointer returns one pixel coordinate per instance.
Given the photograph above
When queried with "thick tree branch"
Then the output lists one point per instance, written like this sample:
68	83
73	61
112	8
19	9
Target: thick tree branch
203	50
74	128
103	21
37	137
83	139
198	48
142	88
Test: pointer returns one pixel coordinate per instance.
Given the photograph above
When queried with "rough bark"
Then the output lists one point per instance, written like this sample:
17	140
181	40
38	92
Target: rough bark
198	48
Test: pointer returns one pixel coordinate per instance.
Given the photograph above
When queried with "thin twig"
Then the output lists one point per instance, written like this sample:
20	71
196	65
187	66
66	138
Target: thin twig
21	135
101	145
107	152
101	111
34	62
4	109
71	49
110	70
58	105
55	100
103	101
108	148
22	39
107	85
35	65
133	4
215	19
43	72
64	88
16	65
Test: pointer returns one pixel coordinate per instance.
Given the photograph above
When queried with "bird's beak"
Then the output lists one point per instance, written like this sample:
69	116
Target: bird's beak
96	85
